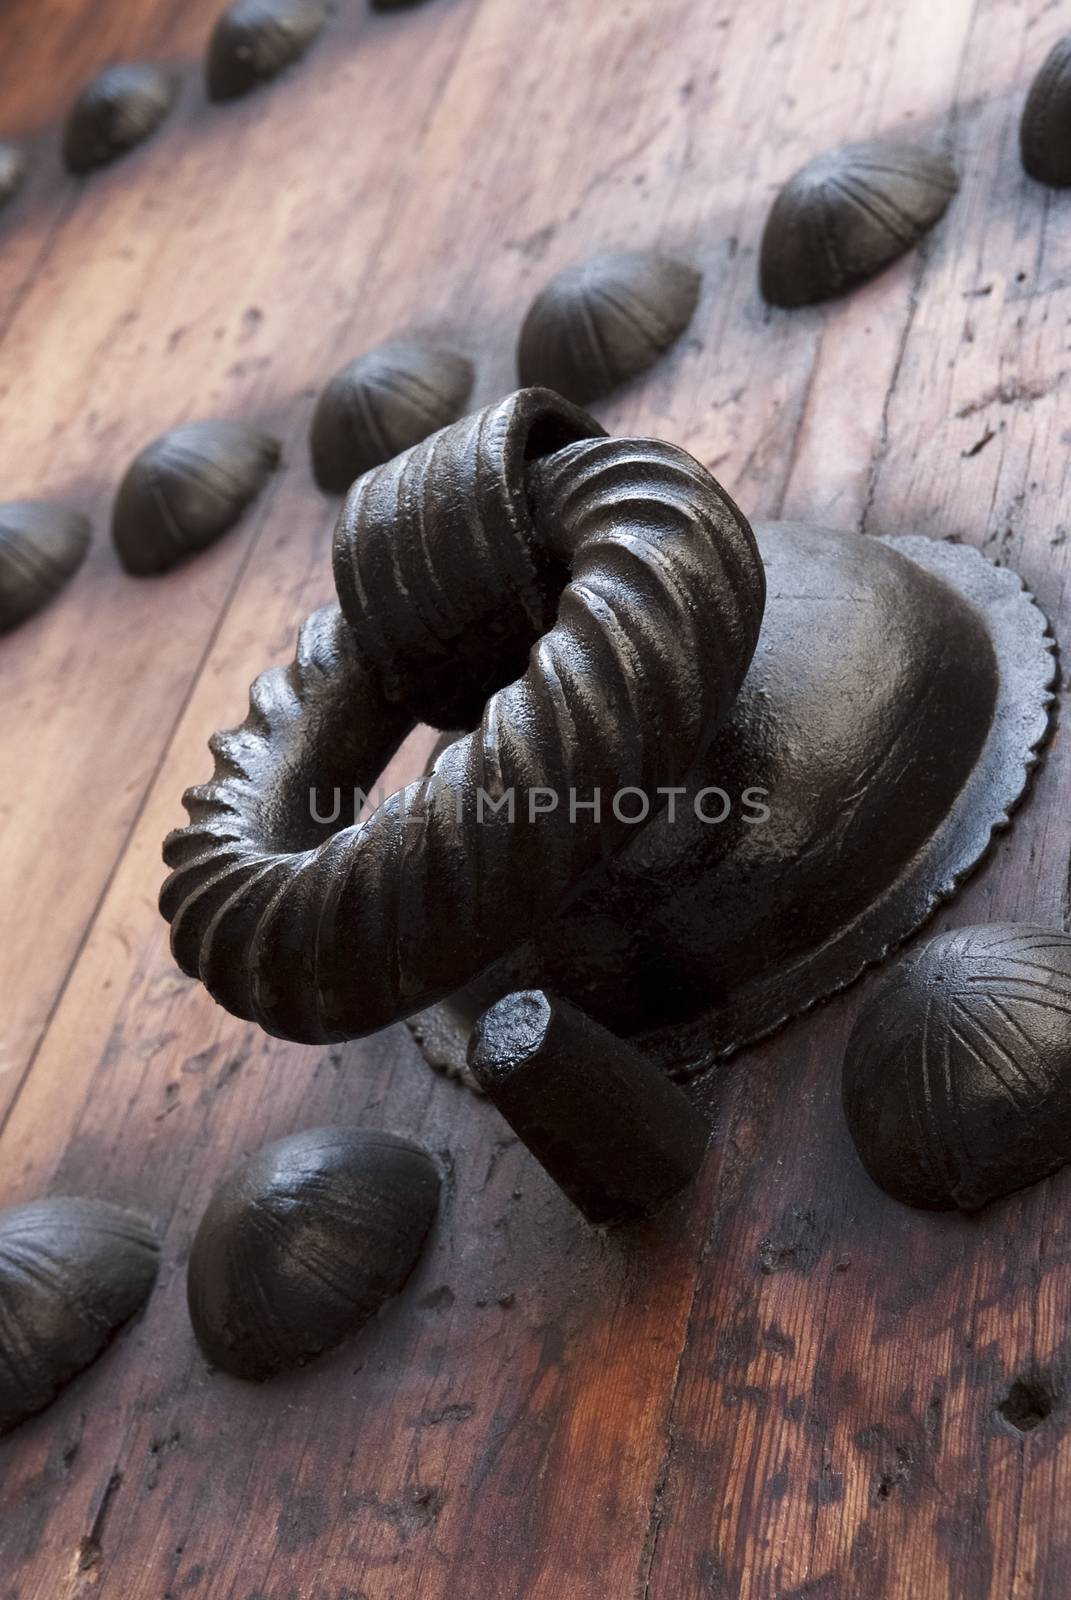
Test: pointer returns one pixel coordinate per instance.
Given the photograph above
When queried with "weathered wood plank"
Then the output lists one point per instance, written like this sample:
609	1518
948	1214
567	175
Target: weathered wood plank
860	1352
203	275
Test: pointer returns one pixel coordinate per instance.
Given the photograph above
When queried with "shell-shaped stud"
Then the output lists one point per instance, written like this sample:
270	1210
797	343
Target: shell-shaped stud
187	489
1045	130
957	1076
71	1273
847	215
12	171
255	40
304	1242
381	404
117	111
595	326
42	545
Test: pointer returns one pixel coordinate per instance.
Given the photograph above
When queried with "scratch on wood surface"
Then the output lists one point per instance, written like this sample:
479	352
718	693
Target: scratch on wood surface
1019	393
85	1572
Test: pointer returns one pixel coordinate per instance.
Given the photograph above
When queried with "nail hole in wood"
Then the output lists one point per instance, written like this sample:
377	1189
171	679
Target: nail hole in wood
1027	1404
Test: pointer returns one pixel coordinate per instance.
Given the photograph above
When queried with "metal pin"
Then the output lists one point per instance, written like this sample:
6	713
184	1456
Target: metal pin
613	1132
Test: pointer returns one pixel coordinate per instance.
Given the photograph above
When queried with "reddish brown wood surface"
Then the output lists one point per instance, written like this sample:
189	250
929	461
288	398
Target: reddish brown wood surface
789	1387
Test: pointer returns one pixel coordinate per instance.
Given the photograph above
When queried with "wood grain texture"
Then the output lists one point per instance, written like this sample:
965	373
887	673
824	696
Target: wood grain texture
788	1388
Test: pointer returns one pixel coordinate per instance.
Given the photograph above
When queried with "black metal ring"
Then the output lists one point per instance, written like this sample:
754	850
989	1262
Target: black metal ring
633	586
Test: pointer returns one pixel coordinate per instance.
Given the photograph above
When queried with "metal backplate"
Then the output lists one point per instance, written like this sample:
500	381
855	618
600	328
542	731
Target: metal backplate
893	712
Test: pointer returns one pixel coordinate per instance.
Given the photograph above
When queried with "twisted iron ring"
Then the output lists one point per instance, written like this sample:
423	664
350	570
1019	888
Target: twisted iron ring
624	577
